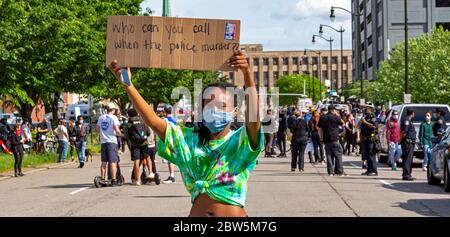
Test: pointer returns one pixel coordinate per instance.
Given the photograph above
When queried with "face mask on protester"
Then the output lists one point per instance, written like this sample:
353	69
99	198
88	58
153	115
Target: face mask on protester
428	118
216	120
395	117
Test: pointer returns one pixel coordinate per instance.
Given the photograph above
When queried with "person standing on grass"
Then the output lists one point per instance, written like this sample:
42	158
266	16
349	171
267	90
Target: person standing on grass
17	142
63	141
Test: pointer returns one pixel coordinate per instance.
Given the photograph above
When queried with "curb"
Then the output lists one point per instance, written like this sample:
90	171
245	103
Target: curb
40	169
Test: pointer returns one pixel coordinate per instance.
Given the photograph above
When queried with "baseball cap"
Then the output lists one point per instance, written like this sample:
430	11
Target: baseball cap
111	106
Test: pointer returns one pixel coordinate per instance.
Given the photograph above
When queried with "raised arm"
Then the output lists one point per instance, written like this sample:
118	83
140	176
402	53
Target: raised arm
145	110
253	127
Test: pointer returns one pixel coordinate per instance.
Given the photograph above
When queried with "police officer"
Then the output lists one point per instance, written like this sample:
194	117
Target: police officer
368	142
408	140
440	122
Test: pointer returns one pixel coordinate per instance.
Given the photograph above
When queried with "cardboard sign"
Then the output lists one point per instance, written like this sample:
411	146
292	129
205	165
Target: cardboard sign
172	43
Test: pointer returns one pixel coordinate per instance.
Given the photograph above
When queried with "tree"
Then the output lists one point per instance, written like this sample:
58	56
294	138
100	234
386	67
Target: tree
429	71
294	84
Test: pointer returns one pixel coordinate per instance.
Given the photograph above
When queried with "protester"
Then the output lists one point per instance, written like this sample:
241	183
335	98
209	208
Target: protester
268	136
408	138
108	128
314	133
119	138
168	114
137	134
71	130
299	130
26	133
425	136
368	141
42	131
393	140
350	133
63	141
329	135
440	123
82	131
216	174
17	142
281	133
276	125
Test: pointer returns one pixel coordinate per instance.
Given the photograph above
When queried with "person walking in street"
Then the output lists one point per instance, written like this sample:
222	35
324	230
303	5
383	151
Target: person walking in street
393	140
82	131
72	131
350	131
299	130
314	131
214	161
329	135
440	123
268	136
281	133
17	142
425	136
63	141
137	134
368	140
108	128
168	113
408	141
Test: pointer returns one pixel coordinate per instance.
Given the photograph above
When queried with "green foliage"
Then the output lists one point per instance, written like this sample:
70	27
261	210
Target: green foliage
429	60
29	161
294	84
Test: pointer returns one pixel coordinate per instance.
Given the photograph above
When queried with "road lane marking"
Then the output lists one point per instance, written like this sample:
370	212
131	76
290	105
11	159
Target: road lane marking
79	190
386	183
355	166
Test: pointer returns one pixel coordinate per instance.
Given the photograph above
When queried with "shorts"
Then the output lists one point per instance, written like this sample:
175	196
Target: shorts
138	153
152	152
110	152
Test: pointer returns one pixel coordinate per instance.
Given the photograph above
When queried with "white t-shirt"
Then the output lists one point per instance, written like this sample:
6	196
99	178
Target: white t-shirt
61	131
107	132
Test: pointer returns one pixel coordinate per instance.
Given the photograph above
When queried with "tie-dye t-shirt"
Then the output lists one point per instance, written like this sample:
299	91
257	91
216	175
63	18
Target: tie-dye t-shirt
220	171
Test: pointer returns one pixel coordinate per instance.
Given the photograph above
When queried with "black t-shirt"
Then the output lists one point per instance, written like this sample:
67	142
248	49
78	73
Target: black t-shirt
365	130
330	125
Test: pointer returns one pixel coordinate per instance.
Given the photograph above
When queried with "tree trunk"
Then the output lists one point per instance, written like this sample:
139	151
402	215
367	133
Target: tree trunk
54	107
25	111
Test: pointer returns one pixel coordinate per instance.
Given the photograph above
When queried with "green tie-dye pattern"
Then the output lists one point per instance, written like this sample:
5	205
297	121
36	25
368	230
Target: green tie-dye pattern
221	171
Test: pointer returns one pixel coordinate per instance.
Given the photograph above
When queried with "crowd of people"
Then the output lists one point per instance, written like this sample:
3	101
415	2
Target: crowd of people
325	134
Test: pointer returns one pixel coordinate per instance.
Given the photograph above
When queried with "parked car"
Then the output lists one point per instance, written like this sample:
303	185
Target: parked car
419	110
438	166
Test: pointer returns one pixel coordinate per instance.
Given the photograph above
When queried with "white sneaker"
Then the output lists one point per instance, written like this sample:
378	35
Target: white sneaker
424	168
164	161
136	183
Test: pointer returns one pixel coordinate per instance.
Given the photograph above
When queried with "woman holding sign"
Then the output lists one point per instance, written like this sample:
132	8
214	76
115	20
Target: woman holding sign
214	161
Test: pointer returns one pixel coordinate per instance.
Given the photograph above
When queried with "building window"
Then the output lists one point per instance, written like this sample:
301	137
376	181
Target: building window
275	61
266	61
316	74
295	60
345	60
370	62
285	73
324	60
253	49
334	76
256	76
285	61
380	6
346	76
334	60
369	40
305	60
315	60
266	79
446	26
296	72
325	75
442	3
256	61
369	18
243	49
276	75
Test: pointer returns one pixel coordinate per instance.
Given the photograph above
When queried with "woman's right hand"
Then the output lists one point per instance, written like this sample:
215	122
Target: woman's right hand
117	70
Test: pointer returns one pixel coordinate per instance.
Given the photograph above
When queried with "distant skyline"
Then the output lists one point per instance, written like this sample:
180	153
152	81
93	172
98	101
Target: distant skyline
287	26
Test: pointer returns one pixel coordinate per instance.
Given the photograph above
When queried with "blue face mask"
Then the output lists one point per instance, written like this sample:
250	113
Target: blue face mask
216	120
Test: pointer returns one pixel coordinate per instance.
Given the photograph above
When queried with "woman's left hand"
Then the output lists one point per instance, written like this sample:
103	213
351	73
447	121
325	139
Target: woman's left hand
239	61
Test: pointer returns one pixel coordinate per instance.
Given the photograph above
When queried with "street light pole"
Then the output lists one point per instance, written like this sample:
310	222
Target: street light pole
331	49
319	69
358	41
406	49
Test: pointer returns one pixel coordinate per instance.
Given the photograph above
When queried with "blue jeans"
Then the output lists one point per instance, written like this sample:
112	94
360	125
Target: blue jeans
81	148
63	146
395	152
426	155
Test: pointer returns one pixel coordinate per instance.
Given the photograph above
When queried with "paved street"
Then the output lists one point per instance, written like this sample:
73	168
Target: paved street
273	191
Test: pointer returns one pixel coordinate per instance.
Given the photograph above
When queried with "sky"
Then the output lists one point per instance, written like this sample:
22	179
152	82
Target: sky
277	24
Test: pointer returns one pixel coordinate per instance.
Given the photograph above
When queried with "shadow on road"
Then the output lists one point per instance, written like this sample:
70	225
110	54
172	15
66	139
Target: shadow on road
425	207
65	186
417	187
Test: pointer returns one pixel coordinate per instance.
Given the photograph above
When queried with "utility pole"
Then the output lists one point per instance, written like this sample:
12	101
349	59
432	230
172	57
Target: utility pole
406	49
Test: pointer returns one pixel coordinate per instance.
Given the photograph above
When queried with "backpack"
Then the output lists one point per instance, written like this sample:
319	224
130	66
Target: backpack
138	133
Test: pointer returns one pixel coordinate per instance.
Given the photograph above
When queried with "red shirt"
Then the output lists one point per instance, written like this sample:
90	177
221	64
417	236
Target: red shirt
392	131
